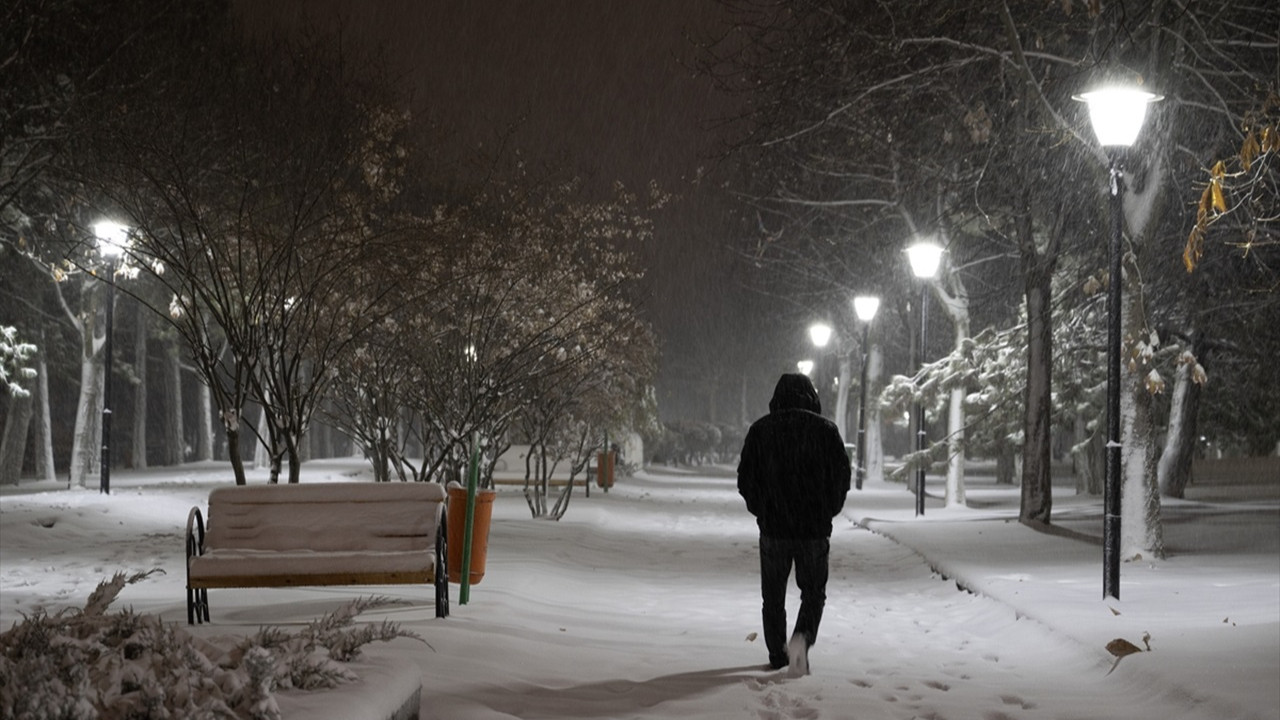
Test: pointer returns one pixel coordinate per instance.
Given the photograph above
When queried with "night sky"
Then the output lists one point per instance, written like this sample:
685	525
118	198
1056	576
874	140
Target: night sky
604	87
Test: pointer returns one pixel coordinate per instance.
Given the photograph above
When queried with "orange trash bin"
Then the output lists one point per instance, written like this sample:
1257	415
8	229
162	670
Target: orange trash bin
479	531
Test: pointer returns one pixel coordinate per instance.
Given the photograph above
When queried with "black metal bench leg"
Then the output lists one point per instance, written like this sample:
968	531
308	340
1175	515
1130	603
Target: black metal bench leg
442	596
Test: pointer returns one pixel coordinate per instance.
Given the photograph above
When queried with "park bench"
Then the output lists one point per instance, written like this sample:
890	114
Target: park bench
313	534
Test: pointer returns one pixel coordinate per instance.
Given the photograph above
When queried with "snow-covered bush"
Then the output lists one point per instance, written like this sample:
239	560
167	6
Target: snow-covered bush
14	355
92	664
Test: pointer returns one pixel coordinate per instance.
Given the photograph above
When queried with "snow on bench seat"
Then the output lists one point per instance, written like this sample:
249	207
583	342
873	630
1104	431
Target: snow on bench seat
317	534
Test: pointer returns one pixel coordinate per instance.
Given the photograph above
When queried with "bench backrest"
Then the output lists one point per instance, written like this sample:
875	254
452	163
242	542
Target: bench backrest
325	517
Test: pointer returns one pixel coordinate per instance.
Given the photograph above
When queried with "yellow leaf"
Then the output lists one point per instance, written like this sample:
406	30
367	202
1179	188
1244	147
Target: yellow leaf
1195	248
1219	201
1121	647
1219	170
1249	150
1270	139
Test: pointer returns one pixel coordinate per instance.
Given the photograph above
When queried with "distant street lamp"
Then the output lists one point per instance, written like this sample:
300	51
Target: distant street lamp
925	257
865	306
111	240
1117	115
805	367
822	334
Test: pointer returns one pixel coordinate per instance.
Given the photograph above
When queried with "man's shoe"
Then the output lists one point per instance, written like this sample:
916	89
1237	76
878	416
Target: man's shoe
798	652
777	662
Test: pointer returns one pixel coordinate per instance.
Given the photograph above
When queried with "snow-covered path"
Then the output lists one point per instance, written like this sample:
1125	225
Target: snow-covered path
663	575
641	603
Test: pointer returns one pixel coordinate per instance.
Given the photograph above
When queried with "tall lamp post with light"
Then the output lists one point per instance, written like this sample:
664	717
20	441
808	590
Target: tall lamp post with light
925	258
1117	115
821	334
865	307
111	240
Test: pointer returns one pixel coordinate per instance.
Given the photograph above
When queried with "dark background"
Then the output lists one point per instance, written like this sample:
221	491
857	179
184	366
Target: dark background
605	88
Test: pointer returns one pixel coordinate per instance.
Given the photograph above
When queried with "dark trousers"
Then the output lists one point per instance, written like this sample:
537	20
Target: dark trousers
810	557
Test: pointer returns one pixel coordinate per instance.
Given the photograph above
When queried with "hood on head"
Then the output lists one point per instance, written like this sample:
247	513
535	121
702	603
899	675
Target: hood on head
795	391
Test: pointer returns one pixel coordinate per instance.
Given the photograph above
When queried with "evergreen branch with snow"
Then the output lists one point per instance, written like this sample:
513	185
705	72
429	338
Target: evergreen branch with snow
97	664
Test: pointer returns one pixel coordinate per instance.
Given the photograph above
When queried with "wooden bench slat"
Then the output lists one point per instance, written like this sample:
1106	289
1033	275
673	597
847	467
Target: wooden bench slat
342	578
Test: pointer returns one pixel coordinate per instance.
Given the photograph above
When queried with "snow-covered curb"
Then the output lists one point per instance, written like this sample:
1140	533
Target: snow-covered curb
1184	614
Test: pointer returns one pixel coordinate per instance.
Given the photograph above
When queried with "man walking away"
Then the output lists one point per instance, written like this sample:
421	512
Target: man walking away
794	475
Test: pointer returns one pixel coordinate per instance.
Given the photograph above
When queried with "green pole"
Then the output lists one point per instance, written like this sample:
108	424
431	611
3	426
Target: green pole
473	479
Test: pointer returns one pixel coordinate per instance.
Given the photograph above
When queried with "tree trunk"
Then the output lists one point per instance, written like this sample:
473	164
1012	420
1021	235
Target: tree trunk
86	445
1037	450
139	454
957	306
204	425
13	444
174	435
262	453
1090	458
1141	534
875	416
1174	470
1006	463
42	439
233	453
293	443
841	413
955	449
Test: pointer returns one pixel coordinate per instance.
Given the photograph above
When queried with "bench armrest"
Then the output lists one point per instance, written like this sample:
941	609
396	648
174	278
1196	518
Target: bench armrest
197	599
195	533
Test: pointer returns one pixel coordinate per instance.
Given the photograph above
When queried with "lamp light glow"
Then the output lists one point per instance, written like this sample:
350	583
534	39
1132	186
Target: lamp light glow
925	258
866	306
1117	113
820	334
805	367
111	237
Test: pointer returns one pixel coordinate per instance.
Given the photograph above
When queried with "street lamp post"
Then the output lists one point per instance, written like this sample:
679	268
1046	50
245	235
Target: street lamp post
865	307
1117	115
925	257
821	334
111	239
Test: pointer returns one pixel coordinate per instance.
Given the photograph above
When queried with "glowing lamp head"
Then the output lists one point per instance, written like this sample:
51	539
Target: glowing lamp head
111	237
1117	113
805	367
820	334
925	258
866	306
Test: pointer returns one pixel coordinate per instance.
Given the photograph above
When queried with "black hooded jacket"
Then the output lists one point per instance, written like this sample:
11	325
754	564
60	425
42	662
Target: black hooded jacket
794	471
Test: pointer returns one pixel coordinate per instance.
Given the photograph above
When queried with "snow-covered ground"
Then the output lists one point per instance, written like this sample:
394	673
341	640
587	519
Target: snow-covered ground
643	603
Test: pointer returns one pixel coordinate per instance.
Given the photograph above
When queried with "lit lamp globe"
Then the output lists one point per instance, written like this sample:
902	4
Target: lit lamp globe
925	258
805	367
111	238
865	307
1117	113
820	334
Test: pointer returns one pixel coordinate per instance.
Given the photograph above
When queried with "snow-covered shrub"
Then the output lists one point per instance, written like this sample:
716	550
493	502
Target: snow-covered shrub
91	664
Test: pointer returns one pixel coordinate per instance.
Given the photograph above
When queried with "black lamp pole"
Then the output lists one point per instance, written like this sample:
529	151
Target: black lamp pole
1111	499
919	409
862	408
1116	114
104	483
